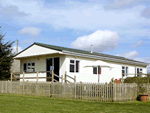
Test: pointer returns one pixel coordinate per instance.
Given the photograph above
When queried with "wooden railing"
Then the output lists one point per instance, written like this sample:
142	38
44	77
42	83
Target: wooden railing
37	77
74	79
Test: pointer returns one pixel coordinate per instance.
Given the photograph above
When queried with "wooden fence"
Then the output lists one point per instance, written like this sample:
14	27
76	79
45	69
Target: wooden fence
84	91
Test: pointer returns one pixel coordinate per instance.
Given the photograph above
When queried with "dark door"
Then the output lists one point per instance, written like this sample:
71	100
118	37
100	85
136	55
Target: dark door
52	64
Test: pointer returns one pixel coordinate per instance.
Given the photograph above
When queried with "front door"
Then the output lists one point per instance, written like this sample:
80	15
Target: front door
52	64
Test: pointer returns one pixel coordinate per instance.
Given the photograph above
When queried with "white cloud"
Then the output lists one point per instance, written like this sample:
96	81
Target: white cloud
14	49
33	31
101	41
75	15
123	3
79	16
145	13
130	55
139	43
12	10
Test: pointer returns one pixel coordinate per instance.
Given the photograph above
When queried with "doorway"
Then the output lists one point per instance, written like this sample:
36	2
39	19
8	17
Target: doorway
52	64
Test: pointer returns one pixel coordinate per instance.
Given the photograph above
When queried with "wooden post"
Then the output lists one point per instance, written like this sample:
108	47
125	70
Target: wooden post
23	81
80	89
135	71
52	76
11	77
98	77
65	75
75	86
148	78
37	77
74	79
23	77
122	78
6	87
62	78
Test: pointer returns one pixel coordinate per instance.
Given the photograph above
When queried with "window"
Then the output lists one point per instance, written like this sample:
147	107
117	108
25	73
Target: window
139	70
96	69
29	67
124	70
77	66
74	66
24	67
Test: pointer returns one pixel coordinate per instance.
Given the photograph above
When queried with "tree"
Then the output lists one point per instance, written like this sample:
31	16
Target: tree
6	57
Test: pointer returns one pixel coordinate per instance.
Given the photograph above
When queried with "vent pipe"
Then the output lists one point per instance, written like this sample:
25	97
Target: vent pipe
91	48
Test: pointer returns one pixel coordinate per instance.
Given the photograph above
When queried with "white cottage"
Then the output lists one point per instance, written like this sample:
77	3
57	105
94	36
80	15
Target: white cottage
83	64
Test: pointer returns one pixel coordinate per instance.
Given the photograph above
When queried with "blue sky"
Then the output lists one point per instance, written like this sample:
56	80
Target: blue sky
115	27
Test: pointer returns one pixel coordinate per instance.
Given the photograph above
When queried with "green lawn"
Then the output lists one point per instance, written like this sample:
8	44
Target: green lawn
30	104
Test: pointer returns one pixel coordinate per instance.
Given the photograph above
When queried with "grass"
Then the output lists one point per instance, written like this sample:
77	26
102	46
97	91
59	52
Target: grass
10	103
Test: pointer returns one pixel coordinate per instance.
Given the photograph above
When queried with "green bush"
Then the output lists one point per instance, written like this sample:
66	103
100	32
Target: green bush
136	80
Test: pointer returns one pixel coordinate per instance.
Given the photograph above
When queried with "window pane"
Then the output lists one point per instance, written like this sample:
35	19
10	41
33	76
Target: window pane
94	70
137	70
77	66
29	64
123	67
33	64
24	67
71	61
71	68
33	69
126	71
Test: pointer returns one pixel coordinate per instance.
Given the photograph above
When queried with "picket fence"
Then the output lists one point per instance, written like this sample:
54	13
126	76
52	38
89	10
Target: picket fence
85	91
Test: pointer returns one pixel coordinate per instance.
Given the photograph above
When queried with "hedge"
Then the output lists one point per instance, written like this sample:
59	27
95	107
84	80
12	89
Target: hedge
136	80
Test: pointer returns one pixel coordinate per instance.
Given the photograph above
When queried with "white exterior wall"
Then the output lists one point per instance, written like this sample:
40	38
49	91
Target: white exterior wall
36	50
86	73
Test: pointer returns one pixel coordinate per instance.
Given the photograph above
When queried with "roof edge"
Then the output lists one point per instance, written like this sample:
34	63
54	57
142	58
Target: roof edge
105	58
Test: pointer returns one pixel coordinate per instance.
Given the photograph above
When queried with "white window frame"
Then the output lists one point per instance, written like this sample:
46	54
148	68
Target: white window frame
28	70
74	65
139	71
126	74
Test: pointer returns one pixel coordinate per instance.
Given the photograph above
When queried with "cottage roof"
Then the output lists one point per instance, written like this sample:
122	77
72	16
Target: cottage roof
62	49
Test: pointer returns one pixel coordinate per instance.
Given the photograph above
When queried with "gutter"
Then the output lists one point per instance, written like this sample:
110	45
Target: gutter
103	58
38	55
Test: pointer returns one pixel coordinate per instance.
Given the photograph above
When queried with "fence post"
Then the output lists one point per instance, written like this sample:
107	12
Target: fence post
52	76
65	75
135	71
112	91
2	86
23	77
80	89
23	82
11	77
6	87
61	78
75	85
37	77
62	86
36	82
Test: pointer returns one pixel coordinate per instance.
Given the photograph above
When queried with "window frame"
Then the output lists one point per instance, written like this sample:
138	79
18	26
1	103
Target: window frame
98	69
125	71
29	70
74	65
138	75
